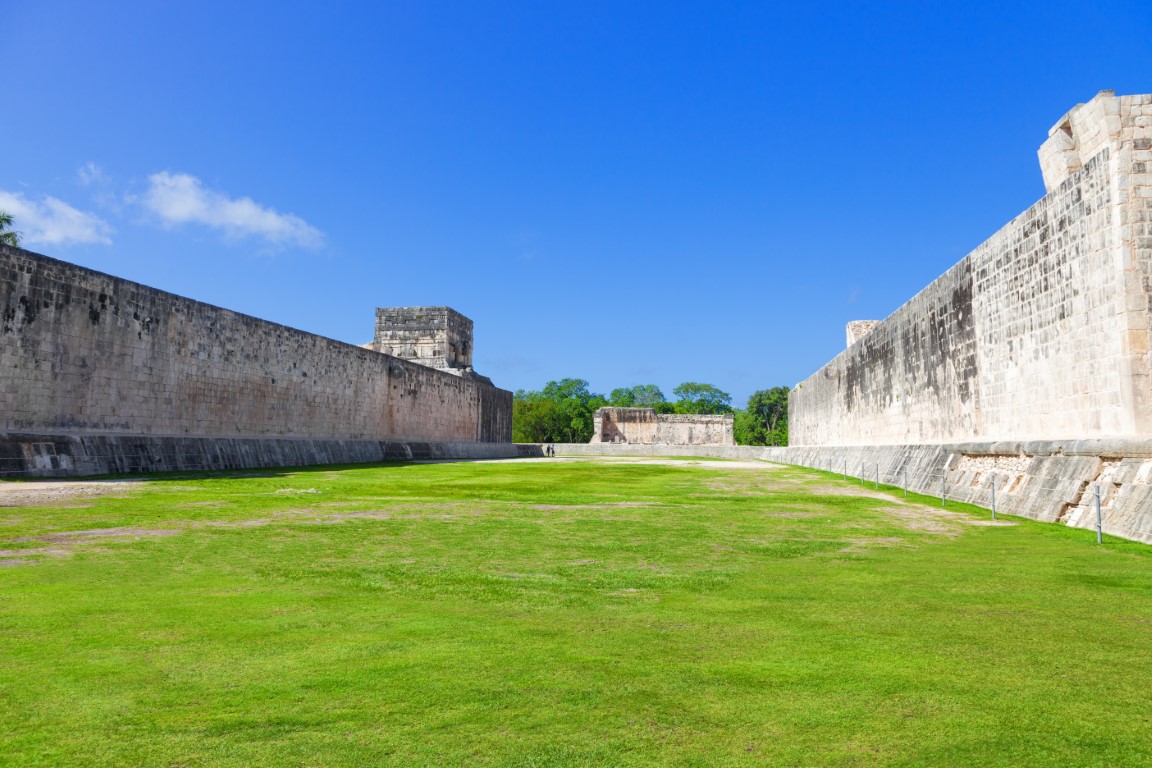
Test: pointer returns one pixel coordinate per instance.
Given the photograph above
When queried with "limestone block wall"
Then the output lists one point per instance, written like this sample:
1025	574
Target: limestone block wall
83	352
644	426
1042	332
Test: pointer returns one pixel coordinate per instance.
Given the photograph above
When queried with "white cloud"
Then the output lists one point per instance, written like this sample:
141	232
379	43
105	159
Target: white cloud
89	174
178	198
53	222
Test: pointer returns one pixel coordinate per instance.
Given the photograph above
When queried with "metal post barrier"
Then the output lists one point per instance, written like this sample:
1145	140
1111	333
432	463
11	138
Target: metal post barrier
845	469
861	474
943	489
993	498
1099	520
876	466
905	482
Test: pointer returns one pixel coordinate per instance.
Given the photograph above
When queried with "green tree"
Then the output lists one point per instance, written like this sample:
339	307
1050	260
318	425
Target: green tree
765	421
693	397
8	236
535	418
559	413
639	396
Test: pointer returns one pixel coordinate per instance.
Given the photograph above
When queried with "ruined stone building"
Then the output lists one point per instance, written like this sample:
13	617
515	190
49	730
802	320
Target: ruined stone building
643	426
438	337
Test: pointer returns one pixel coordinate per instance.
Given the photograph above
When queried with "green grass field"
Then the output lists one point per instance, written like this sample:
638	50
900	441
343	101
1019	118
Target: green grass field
562	613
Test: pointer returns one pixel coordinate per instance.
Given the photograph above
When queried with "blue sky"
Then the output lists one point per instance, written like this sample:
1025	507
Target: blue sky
623	192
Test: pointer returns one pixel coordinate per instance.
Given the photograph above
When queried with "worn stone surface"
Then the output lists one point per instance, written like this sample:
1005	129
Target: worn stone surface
64	455
646	427
85	353
1041	332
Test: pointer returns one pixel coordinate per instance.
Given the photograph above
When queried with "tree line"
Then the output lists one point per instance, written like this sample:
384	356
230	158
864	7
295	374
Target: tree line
562	411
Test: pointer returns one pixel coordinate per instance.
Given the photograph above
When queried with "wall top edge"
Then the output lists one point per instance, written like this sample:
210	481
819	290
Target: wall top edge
1091	166
17	253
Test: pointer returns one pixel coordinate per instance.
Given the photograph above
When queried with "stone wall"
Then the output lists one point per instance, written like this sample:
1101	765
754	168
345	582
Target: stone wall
1042	332
40	455
85	353
646	427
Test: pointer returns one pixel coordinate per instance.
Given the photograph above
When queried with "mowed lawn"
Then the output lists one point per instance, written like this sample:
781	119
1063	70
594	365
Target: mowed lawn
562	613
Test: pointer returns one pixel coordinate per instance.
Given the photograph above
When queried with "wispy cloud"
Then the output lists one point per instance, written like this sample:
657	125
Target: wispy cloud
89	173
178	198
51	221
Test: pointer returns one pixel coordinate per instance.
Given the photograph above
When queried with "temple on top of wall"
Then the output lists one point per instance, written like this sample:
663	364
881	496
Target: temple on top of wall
643	426
1042	332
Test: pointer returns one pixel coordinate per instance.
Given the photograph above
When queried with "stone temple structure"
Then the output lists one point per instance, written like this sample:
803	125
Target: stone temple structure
99	374
858	329
437	337
643	426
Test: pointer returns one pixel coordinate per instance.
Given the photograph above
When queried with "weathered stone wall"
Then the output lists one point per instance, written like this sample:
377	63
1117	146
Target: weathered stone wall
40	455
646	427
82	352
1041	332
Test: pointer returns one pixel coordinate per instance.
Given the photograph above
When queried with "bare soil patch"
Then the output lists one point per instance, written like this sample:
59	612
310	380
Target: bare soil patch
52	492
862	546
128	532
606	505
65	543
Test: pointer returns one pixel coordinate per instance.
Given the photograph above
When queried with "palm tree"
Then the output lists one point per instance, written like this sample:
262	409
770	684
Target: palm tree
8	236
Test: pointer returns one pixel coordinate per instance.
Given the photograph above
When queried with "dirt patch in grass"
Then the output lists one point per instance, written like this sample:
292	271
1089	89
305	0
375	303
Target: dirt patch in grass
924	519
65	543
42	493
605	505
863	546
794	515
917	517
67	537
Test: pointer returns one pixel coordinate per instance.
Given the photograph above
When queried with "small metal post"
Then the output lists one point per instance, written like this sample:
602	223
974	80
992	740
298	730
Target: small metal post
845	469
861	474
993	498
943	490
876	466
1099	521
905	482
